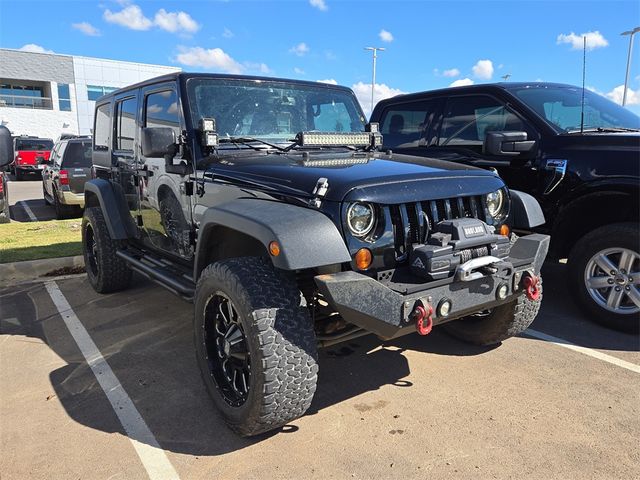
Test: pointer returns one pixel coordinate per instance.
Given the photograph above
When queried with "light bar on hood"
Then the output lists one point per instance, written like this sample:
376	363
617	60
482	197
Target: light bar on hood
357	139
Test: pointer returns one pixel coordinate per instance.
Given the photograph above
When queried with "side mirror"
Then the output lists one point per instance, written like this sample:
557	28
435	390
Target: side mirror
161	142
158	142
6	146
507	144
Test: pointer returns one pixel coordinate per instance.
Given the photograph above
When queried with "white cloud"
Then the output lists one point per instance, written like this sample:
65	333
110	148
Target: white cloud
633	96
226	33
594	40
175	22
385	36
300	50
461	82
330	81
87	29
33	48
380	92
483	69
214	58
298	71
319	4
452	72
262	68
129	17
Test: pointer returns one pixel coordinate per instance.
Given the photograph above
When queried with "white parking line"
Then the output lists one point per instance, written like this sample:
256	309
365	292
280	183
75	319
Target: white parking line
584	350
27	209
153	458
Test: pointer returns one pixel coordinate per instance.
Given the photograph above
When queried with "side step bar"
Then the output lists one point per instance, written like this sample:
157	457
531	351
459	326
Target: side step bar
155	271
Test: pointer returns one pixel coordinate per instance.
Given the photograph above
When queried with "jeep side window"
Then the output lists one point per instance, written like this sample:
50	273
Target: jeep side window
467	119
102	126
125	124
161	110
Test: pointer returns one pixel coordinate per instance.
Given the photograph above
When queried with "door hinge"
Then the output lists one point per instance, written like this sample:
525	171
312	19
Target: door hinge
139	220
187	188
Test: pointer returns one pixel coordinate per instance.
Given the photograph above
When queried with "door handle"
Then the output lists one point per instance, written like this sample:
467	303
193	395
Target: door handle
559	169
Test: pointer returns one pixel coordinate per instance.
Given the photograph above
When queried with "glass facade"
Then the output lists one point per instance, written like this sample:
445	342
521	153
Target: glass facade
94	92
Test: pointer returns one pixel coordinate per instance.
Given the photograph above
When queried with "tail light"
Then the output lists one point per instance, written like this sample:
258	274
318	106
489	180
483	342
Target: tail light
64	177
18	158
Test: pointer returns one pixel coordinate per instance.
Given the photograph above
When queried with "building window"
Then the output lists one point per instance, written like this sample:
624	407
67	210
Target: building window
20	94
64	98
94	92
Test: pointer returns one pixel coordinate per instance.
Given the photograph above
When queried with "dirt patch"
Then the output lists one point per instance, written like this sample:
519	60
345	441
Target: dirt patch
65	271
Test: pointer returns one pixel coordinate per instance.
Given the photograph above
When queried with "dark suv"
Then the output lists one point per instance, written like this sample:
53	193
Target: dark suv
266	203
580	161
65	174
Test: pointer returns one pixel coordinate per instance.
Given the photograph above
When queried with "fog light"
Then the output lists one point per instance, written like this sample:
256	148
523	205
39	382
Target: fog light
363	258
444	307
502	291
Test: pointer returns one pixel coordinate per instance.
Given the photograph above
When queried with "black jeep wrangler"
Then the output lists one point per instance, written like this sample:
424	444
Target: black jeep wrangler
267	203
578	155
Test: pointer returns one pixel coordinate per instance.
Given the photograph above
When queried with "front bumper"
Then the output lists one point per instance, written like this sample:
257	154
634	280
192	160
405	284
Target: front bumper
70	198
379	307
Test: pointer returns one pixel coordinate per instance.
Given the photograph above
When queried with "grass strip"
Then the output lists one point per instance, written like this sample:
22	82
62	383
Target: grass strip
20	241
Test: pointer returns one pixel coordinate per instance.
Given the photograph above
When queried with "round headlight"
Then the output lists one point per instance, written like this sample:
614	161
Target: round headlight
360	218
495	203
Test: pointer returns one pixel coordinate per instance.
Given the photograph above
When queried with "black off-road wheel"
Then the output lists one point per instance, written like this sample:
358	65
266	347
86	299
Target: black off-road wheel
497	324
604	276
255	344
62	211
106	271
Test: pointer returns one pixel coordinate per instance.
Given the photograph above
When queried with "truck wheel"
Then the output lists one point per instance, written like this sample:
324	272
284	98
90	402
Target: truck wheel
499	323
255	344
61	210
17	174
106	271
604	275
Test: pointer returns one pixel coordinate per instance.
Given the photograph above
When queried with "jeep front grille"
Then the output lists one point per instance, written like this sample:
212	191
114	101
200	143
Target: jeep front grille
413	221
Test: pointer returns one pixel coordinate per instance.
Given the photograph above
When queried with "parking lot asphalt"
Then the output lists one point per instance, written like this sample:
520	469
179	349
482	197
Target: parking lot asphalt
416	407
26	203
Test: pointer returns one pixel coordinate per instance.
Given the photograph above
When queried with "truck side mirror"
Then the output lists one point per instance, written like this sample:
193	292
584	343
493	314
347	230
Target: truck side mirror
6	146
158	142
507	144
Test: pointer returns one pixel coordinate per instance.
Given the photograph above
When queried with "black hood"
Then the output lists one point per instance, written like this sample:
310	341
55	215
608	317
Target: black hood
374	177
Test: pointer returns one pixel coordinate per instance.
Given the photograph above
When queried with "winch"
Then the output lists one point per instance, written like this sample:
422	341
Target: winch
453	243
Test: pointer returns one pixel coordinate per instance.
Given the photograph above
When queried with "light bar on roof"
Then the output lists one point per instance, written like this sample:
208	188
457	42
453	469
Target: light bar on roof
335	138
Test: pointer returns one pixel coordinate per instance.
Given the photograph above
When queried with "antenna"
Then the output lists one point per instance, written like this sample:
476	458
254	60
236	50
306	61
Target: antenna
584	71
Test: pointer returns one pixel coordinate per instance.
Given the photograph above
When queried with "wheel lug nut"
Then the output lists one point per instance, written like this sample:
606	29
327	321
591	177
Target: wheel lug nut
613	272
610	281
618	289
627	288
622	271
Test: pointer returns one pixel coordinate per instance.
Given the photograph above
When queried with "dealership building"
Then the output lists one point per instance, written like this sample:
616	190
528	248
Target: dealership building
47	94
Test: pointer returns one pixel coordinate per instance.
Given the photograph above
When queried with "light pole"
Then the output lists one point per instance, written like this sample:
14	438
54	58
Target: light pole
631	33
373	82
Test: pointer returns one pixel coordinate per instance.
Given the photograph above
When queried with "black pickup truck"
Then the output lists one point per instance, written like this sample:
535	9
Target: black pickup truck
581	161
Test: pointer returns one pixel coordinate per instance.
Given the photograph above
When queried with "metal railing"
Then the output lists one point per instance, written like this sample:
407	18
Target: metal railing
23	101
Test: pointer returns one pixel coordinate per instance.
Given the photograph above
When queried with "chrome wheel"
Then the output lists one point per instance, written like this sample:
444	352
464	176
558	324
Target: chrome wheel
227	350
612	277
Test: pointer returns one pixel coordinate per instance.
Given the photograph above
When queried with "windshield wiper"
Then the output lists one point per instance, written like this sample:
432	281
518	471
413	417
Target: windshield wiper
604	129
248	142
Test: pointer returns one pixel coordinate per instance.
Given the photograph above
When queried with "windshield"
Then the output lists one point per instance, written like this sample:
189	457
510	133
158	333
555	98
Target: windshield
273	111
561	106
77	155
34	144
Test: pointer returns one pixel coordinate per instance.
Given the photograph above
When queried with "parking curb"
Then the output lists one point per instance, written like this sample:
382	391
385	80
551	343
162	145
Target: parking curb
20	272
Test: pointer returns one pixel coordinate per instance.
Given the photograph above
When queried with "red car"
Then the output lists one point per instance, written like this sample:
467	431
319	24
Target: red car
31	153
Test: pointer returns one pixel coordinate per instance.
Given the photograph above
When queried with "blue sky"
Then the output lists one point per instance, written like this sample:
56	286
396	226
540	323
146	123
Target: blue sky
429	44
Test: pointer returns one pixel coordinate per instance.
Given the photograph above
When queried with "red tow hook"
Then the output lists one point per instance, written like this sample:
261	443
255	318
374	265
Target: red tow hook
531	285
424	322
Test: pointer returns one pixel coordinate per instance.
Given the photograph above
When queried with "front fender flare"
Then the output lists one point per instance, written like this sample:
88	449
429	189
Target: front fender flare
307	237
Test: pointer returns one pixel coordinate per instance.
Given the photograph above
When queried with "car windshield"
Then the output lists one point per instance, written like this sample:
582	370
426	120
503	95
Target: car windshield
561	107
34	144
77	155
273	111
